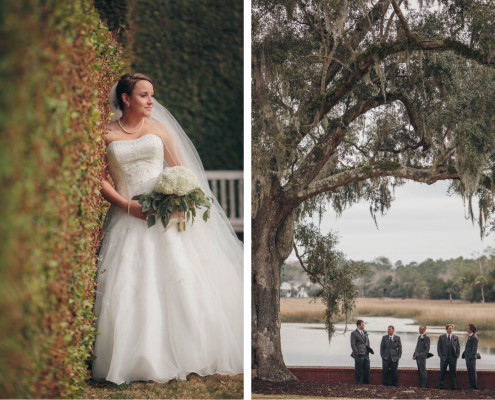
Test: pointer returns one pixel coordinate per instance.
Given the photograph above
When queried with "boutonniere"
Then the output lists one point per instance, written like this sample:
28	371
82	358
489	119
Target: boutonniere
422	337
365	332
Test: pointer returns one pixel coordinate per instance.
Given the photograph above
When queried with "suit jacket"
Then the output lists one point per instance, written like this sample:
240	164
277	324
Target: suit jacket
422	347
391	348
444	344
359	345
471	347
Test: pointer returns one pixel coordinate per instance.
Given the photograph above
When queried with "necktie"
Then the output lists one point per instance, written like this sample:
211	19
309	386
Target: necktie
362	334
390	338
449	338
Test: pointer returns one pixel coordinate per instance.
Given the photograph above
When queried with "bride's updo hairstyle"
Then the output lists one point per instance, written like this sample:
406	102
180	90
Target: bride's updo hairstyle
126	85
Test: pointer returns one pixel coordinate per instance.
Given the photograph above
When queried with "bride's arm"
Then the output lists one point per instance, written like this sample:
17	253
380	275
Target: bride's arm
111	195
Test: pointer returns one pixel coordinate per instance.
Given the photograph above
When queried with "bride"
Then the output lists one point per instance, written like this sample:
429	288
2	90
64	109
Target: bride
167	303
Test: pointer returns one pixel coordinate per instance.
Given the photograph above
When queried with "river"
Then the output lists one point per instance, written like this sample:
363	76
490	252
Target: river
307	344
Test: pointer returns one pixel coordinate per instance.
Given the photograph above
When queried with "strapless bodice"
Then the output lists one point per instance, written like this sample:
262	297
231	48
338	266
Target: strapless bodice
134	165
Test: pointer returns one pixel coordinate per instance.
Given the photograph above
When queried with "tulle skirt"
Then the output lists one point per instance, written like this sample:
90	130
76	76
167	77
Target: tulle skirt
167	303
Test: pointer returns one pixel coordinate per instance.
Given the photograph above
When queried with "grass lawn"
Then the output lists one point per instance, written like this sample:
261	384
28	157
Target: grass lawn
196	387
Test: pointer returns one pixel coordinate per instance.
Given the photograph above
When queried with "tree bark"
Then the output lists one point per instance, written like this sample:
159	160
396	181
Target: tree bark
270	236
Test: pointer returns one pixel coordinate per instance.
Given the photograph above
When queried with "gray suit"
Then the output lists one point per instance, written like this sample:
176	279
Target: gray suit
360	353
391	352
421	354
470	354
448	353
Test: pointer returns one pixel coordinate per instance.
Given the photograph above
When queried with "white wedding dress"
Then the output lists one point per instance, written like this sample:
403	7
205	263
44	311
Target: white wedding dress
167	303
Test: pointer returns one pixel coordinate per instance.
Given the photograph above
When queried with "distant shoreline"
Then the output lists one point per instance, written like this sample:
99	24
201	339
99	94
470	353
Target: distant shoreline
428	312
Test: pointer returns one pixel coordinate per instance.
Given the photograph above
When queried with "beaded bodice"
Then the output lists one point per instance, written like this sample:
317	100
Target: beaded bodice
135	164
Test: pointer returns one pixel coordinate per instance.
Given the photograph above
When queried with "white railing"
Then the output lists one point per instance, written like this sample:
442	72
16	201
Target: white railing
228	188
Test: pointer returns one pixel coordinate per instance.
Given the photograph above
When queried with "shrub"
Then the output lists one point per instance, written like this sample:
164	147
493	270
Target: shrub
57	61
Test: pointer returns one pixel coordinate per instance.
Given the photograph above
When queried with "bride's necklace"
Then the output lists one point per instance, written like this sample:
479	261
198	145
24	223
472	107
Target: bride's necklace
126	131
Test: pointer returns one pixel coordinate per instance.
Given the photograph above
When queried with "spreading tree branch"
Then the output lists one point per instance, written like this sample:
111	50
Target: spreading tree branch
402	19
380	52
361	174
328	143
342	53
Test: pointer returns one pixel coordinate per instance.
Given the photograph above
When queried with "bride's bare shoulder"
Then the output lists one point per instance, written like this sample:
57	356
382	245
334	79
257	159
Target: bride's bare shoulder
160	129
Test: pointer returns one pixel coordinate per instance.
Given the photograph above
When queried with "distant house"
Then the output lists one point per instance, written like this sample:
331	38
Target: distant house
294	289
285	290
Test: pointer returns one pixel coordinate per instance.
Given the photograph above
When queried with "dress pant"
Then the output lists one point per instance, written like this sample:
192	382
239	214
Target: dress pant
389	368
451	361
421	363
471	369
362	369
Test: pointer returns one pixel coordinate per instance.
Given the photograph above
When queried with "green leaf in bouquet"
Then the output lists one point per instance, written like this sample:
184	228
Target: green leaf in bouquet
151	220
183	205
145	206
206	215
140	197
165	220
163	208
193	211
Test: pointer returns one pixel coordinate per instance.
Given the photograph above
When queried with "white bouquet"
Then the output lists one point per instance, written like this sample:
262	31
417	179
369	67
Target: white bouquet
176	190
176	180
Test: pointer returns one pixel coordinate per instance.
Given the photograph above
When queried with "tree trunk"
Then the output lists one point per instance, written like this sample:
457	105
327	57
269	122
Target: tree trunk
482	293
270	239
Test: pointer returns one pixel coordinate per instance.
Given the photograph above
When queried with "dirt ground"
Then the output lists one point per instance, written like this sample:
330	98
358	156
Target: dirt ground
353	391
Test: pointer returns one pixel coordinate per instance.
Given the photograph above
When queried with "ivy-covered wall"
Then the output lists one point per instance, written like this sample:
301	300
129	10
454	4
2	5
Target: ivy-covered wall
56	64
193	52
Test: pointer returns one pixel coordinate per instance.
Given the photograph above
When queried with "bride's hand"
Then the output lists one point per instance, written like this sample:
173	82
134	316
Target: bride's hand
136	210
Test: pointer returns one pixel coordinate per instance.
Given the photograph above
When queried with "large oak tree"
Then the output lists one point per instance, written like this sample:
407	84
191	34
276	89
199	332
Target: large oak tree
351	98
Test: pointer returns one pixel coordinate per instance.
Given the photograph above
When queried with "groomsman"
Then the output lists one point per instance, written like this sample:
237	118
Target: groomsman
360	345
421	354
391	352
470	354
448	349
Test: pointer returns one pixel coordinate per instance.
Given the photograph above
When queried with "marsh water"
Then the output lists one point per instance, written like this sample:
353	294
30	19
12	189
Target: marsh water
307	344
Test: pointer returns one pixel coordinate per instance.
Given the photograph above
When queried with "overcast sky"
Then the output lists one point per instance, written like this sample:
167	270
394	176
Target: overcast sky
423	222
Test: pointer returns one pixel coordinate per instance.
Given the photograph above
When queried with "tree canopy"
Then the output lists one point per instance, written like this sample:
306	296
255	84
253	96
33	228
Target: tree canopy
353	98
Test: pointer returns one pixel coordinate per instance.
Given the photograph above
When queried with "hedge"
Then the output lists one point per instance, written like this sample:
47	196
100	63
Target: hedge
56	64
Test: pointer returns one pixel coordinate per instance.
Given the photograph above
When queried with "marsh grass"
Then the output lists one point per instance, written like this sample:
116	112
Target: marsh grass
428	312
196	387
